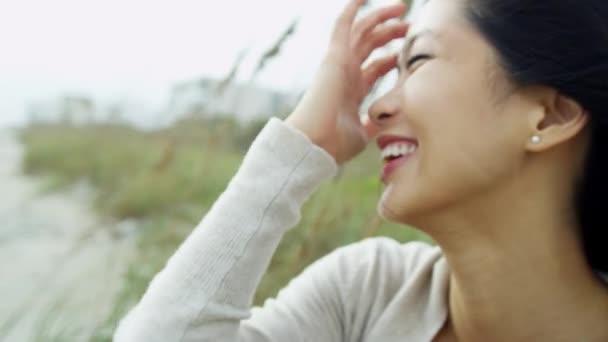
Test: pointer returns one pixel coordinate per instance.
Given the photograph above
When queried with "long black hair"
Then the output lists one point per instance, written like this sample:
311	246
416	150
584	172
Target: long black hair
562	44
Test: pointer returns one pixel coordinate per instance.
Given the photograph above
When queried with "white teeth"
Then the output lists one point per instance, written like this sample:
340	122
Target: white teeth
395	150
398	149
403	149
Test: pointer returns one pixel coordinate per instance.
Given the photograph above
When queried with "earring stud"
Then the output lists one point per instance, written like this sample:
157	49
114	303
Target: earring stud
536	139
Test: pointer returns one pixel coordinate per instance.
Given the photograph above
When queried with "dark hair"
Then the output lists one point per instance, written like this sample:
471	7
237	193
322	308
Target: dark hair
562	44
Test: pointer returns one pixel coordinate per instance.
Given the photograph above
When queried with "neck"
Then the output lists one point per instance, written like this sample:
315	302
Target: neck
518	271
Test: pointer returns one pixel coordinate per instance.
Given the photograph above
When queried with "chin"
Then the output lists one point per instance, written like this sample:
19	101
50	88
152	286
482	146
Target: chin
396	211
408	207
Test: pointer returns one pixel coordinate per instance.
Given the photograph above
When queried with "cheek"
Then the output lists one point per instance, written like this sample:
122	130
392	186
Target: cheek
463	149
449	113
469	154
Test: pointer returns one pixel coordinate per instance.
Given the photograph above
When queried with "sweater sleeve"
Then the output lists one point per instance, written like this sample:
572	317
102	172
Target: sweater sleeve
205	291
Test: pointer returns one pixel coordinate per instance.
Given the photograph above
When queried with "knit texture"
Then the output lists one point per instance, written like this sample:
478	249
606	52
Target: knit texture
373	290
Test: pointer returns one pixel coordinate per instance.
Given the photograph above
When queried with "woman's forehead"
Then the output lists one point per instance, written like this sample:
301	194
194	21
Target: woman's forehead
435	12
444	20
446	32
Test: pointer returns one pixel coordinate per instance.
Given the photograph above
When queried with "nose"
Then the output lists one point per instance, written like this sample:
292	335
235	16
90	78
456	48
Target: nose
385	109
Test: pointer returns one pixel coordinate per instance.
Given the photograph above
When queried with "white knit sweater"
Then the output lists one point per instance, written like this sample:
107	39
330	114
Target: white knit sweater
373	290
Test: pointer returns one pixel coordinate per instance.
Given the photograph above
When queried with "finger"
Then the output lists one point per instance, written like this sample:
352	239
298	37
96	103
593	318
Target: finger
368	126
345	21
378	69
367	24
380	37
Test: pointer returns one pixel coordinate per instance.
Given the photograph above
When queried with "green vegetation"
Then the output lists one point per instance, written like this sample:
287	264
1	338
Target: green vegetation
167	180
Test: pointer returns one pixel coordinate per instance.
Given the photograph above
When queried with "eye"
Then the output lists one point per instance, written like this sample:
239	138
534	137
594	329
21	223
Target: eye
414	59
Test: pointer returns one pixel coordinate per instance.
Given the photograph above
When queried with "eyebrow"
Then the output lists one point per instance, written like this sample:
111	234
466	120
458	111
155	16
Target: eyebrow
410	41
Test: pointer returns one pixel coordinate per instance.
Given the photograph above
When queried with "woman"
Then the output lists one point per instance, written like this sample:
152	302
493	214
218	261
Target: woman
493	137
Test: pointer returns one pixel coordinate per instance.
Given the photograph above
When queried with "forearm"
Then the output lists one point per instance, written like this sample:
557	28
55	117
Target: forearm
207	286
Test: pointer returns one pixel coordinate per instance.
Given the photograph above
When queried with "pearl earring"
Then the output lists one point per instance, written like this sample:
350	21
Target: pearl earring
536	139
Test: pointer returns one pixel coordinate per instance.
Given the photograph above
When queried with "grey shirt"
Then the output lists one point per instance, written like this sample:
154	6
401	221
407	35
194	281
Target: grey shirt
374	290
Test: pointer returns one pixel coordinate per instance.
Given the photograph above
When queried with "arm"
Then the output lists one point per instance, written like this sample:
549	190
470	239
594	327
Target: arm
207	286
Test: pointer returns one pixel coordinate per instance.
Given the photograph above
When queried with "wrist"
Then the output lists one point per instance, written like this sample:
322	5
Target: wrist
304	129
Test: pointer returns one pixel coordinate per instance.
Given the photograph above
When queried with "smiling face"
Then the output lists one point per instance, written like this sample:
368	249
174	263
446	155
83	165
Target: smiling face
464	115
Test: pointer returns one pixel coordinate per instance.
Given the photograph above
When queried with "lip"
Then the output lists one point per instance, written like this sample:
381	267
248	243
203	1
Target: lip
385	140
391	166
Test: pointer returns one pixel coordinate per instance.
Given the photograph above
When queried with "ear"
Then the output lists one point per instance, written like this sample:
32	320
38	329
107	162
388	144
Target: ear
558	120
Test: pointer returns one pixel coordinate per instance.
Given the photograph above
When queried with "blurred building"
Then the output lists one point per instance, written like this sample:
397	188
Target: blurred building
211	97
69	109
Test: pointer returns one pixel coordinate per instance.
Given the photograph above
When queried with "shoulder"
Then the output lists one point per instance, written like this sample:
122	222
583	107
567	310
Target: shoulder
379	264
388	253
384	273
368	262
384	264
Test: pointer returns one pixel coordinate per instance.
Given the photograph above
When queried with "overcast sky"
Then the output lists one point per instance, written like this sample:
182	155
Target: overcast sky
134	49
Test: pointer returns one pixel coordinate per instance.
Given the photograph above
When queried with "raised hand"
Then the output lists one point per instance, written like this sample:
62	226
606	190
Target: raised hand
329	111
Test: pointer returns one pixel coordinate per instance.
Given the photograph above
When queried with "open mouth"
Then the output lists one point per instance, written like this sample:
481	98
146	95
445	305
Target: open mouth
397	150
394	155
